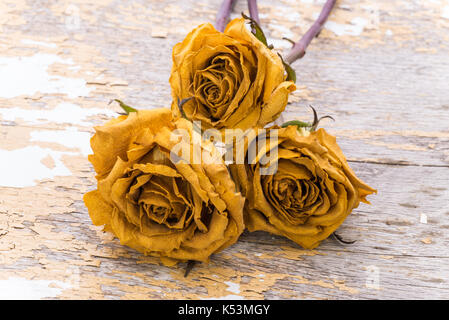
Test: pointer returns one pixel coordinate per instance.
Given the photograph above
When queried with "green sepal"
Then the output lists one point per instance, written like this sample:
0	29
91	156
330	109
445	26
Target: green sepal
310	126
125	107
291	74
299	124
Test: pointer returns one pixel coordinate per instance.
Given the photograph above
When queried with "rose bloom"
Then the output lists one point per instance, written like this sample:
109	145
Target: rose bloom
158	205
235	80
310	194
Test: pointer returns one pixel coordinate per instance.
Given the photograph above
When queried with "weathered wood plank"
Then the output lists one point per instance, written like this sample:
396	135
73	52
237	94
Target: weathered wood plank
381	69
56	235
389	105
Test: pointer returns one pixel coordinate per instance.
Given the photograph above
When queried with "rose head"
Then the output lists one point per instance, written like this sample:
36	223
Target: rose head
158	206
310	194
235	80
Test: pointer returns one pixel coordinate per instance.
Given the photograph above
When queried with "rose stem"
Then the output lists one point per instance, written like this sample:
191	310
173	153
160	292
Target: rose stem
299	48
253	11
223	14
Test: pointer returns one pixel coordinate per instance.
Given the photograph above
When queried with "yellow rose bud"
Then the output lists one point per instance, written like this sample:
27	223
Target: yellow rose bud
235	80
310	194
154	203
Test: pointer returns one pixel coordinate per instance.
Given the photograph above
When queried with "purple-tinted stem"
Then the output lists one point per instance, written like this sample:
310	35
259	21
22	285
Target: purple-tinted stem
299	48
223	14
253	11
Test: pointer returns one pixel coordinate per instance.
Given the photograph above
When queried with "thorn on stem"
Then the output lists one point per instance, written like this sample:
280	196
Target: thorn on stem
289	40
340	239
317	120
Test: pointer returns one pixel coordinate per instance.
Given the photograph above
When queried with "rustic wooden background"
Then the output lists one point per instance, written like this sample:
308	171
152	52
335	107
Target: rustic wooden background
381	68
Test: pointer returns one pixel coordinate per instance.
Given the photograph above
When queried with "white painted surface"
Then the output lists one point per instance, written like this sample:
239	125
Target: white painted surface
228	297
445	12
233	287
423	218
70	138
286	32
354	29
279	43
23	289
29	75
63	113
38	43
24	167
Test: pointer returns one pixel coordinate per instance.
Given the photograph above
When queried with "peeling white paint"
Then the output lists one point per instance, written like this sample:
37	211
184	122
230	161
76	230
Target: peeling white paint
232	287
293	16
23	167
423	218
38	43
282	30
445	12
289	14
23	289
70	138
63	113
228	297
354	29
162	276
279	43
29	75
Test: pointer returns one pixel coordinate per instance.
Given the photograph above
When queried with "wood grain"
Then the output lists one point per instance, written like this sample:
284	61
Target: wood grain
382	70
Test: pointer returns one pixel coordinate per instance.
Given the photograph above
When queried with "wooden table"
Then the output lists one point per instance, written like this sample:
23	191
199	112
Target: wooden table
381	69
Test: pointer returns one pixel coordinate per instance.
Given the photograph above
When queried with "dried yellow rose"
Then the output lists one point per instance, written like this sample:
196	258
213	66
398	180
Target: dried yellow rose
310	194
155	203
236	80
